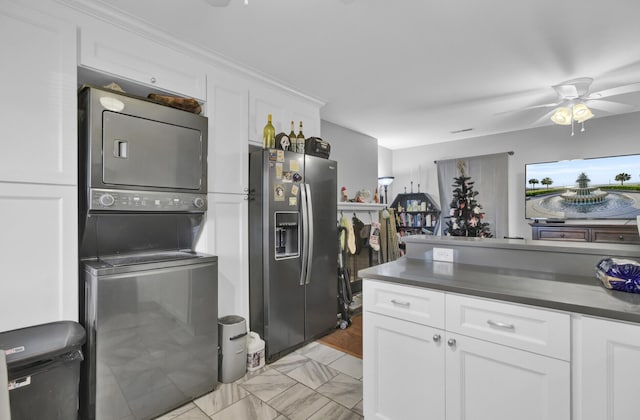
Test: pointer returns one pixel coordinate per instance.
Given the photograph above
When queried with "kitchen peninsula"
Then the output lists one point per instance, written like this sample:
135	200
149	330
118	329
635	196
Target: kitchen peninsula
509	329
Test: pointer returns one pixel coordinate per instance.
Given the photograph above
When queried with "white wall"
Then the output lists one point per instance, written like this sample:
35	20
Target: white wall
357	157
614	135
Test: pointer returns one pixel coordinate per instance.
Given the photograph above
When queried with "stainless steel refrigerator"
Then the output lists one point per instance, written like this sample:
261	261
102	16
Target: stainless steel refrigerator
293	248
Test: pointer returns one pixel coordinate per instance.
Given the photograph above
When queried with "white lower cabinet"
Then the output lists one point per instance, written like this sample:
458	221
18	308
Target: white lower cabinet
416	370
38	254
491	381
607	369
225	235
403	369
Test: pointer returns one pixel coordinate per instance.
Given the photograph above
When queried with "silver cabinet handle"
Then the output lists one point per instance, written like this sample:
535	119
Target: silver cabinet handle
502	325
397	302
451	342
436	338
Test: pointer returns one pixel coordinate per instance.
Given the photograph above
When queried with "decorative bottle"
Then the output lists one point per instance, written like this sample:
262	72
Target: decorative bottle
269	135
293	137
300	141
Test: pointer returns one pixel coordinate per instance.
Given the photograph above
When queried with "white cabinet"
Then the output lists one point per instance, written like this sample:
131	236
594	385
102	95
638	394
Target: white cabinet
490	381
125	54
418	366
403	369
536	330
607	369
225	235
38	254
39	126
285	107
228	112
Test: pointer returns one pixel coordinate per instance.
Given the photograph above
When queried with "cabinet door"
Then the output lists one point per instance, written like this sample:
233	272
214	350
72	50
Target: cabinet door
125	54
491	381
403	369
225	235
39	127
607	370
38	254
228	112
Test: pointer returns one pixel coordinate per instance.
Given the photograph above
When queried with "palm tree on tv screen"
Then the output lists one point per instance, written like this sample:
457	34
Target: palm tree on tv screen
546	181
533	182
623	177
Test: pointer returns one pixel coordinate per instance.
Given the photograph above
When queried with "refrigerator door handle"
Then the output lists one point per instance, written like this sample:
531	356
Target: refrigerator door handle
309	233
305	234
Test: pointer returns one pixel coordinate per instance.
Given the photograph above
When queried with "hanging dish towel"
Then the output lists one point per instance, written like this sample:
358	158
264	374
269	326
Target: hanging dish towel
351	240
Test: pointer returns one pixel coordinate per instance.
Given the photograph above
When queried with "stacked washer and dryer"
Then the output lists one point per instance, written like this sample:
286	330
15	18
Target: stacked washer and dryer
148	299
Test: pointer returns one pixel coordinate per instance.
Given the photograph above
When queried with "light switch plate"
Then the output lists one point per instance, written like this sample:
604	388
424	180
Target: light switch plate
443	254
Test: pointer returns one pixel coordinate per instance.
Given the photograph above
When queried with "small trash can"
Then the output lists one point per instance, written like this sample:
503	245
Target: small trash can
43	366
232	332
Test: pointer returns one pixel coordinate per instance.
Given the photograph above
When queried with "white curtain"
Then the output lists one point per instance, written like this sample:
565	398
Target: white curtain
489	174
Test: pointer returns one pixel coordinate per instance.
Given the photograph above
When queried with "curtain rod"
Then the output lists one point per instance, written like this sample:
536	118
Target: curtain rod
510	153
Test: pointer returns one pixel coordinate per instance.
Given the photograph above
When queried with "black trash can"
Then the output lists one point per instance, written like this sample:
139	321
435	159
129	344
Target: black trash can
43	364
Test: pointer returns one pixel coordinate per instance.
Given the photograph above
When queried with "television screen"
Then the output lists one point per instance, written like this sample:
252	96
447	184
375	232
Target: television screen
595	188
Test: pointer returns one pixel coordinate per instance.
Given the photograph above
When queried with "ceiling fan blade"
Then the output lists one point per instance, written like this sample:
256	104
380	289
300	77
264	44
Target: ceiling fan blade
620	90
544	119
527	108
612	107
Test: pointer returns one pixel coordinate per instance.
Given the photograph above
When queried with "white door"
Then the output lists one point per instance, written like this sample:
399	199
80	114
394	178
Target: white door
38	254
487	381
226	236
403	369
228	112
39	126
608	370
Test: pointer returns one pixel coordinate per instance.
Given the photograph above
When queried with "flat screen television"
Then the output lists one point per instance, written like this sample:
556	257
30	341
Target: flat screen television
594	188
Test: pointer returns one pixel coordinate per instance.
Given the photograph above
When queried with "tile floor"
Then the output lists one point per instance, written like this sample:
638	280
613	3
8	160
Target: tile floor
315	382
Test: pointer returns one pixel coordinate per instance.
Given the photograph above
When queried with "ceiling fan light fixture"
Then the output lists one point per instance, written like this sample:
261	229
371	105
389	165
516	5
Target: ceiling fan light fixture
581	113
562	116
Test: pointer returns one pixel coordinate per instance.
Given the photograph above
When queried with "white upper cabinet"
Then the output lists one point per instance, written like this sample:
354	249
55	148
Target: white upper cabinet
285	107
228	113
127	55
39	130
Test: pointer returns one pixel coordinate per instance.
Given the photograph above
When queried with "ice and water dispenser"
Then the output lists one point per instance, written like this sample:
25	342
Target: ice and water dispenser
287	239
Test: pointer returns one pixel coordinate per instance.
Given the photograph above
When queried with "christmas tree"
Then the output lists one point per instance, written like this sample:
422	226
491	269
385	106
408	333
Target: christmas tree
465	214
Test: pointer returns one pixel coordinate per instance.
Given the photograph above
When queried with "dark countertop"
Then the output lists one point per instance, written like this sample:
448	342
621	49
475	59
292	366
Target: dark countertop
579	294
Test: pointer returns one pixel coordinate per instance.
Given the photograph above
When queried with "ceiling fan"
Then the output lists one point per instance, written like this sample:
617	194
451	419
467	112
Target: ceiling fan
575	102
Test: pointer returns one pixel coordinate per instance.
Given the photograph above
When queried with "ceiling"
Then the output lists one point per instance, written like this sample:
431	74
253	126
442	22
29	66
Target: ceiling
411	72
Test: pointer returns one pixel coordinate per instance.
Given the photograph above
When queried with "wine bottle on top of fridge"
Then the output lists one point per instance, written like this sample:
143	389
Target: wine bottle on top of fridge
300	141
269	135
293	137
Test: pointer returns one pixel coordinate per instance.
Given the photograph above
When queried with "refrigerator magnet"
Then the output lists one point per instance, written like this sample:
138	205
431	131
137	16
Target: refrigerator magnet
293	201
273	154
294	190
293	165
278	192
297	177
278	170
287	177
280	155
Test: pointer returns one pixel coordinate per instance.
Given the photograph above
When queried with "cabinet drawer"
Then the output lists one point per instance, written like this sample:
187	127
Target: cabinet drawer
622	237
565	234
540	331
404	302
